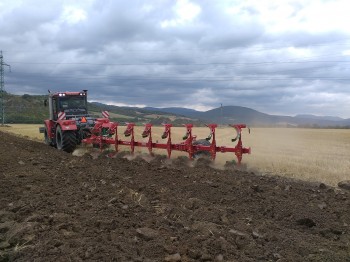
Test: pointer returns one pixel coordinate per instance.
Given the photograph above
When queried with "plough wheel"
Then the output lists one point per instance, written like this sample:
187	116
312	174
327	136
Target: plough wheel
66	140
199	154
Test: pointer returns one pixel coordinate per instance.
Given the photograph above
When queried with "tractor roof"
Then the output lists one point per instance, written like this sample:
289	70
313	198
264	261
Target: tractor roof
60	94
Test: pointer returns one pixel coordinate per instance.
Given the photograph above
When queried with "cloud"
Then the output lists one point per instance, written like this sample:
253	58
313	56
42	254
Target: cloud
73	15
185	12
287	57
201	98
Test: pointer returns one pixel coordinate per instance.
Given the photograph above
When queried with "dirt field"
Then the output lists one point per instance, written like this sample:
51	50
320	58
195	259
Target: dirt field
58	207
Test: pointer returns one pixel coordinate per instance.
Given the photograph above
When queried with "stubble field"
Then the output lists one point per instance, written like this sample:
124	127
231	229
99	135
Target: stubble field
307	154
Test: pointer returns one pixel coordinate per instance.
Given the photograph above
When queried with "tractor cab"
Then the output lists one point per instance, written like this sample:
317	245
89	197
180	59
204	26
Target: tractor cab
70	105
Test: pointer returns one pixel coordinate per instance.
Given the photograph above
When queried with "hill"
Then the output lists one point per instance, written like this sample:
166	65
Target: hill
238	114
24	109
234	114
177	110
30	109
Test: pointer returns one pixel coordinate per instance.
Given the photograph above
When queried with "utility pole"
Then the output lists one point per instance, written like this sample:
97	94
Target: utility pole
221	115
2	87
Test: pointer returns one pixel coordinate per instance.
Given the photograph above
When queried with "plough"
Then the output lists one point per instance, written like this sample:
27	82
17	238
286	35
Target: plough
105	133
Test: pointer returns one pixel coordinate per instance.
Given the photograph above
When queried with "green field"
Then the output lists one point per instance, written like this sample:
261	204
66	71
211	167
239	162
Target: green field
307	154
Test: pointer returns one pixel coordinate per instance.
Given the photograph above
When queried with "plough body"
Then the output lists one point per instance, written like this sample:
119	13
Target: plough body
105	132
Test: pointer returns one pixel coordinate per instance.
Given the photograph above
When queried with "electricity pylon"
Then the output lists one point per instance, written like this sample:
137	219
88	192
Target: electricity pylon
2	87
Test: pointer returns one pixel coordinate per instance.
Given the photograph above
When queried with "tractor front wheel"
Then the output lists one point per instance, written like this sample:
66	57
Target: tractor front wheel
65	141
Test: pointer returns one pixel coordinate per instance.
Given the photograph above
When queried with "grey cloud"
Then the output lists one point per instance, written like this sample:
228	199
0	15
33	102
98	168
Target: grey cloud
122	54
113	22
19	21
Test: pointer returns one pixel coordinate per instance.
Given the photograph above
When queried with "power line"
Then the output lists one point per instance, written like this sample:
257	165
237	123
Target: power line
183	64
169	74
251	48
278	75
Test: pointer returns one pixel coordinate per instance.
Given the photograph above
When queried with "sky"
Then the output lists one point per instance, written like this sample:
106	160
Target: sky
277	57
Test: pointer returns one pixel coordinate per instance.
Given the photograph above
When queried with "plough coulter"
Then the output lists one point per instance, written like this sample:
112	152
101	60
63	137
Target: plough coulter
70	125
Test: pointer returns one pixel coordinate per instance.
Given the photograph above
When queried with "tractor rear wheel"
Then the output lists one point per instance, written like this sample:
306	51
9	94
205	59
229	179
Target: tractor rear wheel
202	142
65	141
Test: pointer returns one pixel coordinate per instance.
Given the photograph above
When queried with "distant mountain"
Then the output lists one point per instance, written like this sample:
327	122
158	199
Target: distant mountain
331	118
326	121
176	110
142	115
228	115
237	114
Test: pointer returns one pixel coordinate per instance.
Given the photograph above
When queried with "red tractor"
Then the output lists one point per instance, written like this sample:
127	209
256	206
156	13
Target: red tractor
69	121
70	125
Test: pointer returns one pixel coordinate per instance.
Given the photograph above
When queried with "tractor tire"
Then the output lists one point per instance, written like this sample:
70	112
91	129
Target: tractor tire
48	140
200	154
65	141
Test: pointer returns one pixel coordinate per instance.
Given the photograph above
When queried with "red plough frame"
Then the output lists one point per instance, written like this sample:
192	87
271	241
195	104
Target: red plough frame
104	130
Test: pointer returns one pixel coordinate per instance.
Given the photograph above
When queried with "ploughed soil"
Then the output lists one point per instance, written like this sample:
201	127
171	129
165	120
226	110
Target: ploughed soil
58	207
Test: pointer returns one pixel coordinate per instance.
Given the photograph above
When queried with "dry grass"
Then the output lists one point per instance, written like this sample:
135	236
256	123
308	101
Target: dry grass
112	115
25	130
308	154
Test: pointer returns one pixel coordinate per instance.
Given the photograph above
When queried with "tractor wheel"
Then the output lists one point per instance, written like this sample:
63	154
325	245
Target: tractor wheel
200	154
65	141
